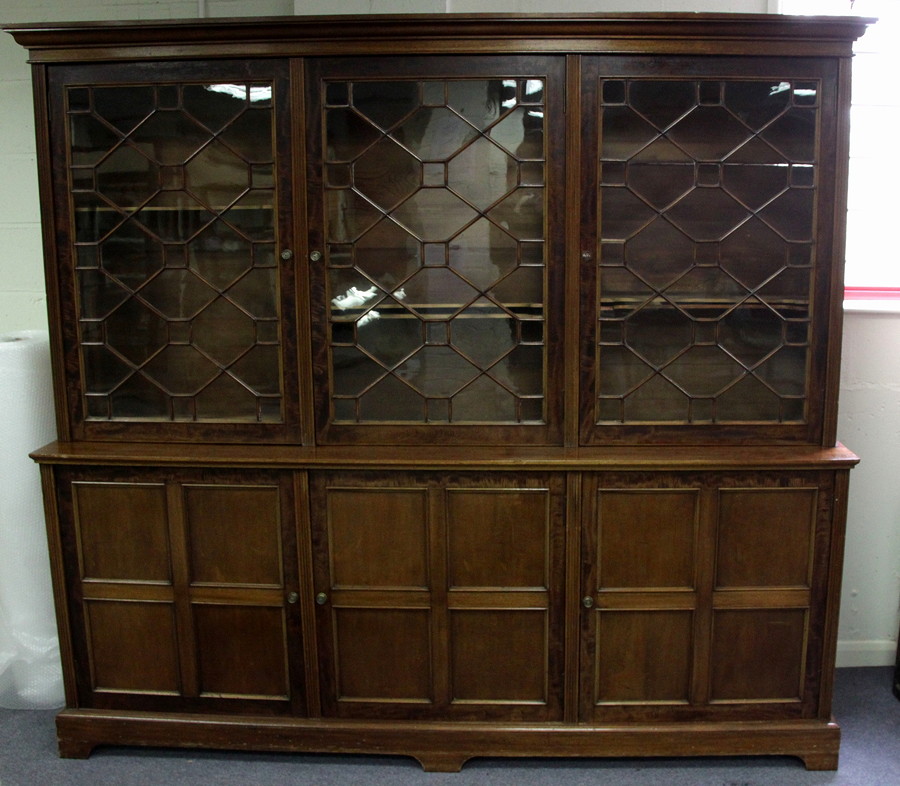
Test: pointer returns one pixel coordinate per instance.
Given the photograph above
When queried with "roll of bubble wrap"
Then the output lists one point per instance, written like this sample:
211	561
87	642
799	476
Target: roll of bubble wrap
30	672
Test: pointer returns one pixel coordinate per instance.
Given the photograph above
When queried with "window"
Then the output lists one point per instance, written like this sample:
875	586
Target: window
872	273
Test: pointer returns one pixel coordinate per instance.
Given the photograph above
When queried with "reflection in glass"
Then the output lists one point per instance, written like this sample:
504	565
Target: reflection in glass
706	212
434	213
174	230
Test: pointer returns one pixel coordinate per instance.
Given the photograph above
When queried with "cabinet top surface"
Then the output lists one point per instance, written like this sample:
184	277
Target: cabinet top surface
581	32
645	458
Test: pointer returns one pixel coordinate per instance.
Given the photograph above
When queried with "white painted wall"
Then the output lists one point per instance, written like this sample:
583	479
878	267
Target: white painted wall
870	406
869	424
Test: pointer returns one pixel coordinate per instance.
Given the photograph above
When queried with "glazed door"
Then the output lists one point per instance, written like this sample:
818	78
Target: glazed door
436	204
172	185
704	595
708	293
440	597
179	590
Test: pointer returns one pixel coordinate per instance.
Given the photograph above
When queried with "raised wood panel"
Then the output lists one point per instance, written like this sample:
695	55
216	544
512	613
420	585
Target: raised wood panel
234	535
378	538
383	655
647	538
643	656
484	670
766	537
241	651
133	647
498	537
758	655
123	531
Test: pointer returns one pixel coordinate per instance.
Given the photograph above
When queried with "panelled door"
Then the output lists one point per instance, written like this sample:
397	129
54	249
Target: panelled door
440	596
699	594
435	230
179	589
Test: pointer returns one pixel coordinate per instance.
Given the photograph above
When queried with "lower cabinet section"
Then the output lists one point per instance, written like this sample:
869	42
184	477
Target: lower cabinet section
449	614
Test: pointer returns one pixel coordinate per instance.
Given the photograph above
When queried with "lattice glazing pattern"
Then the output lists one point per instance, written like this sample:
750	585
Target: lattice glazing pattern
435	205
173	191
706	256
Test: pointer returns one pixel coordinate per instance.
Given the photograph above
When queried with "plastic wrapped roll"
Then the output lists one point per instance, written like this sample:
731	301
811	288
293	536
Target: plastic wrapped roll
30	672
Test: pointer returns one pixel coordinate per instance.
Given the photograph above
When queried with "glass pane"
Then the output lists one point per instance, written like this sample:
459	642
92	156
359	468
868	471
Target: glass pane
354	371
386	173
483	339
482	174
794	135
521	214
391	400
437	372
437	293
170	137
660	184
435	206
383	103
751	333
435	133
138	398
217	105
709	133
175	236
483	254
203	175
659	254
657	400
434	214
659	334
661	102
250	135
390	337
707	198
486	400
480	102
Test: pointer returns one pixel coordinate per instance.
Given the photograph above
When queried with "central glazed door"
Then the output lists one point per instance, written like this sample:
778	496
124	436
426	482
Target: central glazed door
440	597
436	203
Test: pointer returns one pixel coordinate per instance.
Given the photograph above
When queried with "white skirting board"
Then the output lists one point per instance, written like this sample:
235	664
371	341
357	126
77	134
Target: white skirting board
875	652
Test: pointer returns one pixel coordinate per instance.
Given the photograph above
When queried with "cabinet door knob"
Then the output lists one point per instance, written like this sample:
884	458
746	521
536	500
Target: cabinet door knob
292	598
315	256
287	255
321	599
587	601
